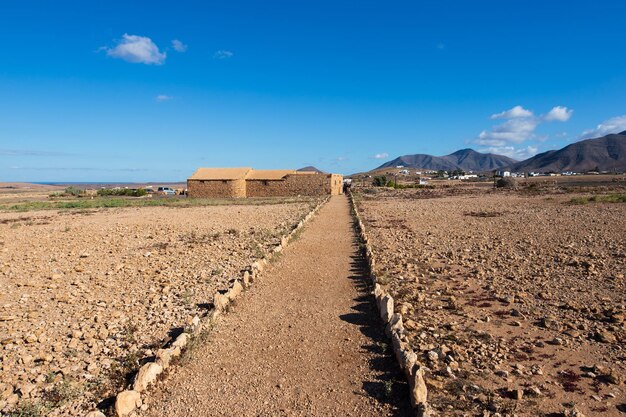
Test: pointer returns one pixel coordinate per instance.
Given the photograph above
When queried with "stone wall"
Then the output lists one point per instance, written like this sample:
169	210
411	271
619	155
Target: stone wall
291	185
216	188
299	184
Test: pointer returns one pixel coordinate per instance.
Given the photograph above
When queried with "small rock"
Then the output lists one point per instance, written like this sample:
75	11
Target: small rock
147	374
573	413
181	340
235	290
605	336
419	392
126	402
556	341
386	308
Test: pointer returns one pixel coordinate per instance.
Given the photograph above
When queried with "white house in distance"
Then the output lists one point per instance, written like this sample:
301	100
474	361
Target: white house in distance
468	176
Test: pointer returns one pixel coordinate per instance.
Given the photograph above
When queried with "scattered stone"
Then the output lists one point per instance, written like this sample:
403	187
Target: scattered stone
146	376
605	336
419	392
126	402
386	308
235	290
181	341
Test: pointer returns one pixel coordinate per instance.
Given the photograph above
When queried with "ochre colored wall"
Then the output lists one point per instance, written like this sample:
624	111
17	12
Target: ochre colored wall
291	185
216	188
336	184
298	184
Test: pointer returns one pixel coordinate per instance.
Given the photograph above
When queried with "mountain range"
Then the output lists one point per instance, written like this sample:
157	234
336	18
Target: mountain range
607	153
464	159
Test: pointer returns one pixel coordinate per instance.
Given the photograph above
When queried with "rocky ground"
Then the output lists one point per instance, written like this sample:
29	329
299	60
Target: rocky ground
84	295
514	301
305	340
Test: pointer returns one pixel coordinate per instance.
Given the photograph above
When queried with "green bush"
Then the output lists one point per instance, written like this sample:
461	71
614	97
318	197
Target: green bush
74	191
380	181
128	192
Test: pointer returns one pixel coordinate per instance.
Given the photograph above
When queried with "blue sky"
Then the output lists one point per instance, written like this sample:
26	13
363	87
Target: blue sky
138	91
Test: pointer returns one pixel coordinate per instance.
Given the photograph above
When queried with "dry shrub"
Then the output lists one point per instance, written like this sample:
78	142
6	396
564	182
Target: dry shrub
507	182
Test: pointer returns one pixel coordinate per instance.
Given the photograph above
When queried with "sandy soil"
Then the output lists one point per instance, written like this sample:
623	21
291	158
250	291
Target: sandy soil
85	294
516	304
304	341
13	192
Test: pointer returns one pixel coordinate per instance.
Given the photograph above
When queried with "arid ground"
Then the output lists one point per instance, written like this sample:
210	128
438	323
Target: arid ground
514	301
304	341
84	294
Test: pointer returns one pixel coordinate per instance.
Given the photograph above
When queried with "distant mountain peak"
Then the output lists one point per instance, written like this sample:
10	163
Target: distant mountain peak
463	159
622	133
463	151
607	153
310	168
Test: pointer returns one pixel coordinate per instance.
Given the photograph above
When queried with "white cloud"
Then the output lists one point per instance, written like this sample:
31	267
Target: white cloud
512	131
559	114
221	54
514	113
163	97
520	126
179	46
381	155
137	49
512	152
613	125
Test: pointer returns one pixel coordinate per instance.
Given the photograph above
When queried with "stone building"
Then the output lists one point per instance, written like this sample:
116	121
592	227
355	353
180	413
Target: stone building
218	182
248	182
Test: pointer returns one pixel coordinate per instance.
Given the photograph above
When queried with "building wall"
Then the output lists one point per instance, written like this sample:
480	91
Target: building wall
298	184
216	188
336	184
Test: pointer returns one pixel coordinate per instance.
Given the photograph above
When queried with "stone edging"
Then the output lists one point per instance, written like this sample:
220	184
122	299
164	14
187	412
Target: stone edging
394	329
127	401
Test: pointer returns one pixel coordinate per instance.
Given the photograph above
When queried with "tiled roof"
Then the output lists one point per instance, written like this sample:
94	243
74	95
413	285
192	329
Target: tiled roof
220	173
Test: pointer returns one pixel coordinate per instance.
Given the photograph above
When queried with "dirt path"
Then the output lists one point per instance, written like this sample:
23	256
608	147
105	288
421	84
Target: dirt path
304	341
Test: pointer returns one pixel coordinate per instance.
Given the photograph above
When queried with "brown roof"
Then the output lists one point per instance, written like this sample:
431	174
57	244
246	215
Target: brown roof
269	174
220	173
229	174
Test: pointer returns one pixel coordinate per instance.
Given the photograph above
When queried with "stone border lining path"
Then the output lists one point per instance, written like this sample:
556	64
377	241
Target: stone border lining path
127	401
306	340
406	357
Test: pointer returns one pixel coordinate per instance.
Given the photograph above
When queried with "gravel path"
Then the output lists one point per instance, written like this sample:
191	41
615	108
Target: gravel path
304	341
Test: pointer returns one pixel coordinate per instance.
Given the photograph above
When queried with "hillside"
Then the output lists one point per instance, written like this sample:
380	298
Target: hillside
470	160
464	159
607	153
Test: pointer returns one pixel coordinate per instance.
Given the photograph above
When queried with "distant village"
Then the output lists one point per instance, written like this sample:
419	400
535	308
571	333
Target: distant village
425	175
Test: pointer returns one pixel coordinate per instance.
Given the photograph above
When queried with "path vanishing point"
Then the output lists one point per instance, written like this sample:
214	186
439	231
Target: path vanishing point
305	340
